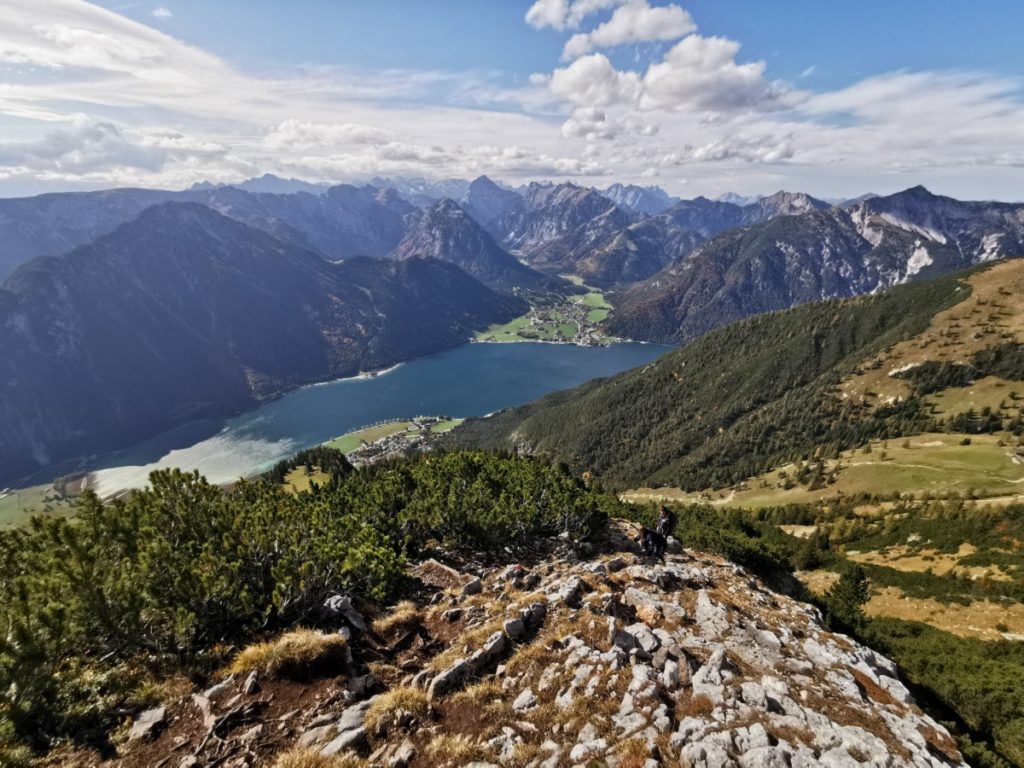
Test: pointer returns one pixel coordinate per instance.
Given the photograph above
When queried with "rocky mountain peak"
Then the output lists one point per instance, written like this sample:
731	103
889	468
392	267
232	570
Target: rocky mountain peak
784	203
571	658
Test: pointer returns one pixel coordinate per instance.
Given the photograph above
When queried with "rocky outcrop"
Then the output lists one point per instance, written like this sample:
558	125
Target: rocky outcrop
614	660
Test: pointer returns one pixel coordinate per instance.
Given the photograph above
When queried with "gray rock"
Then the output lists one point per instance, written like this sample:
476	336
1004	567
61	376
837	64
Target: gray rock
570	592
515	629
354	716
404	755
765	757
645	638
534	615
340	607
449	680
251	684
524	702
347	740
149	724
314	735
670	680
473	587
214	691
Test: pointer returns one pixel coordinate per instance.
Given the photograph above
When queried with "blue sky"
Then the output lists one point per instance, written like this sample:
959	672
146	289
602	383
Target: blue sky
701	97
844	41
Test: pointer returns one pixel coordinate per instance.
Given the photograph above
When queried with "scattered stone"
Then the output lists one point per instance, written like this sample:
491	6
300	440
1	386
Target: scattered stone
515	629
214	691
472	587
569	592
449	680
149	724
251	684
524	702
403	756
340	607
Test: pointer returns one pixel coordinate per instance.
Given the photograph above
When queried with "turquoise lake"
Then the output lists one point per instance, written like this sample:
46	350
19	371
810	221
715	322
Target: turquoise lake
471	380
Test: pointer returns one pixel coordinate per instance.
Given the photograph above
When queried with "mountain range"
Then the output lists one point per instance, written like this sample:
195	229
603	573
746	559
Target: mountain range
183	313
826	253
359	277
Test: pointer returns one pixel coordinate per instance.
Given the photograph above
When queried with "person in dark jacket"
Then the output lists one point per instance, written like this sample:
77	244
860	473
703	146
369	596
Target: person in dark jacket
667	521
651	543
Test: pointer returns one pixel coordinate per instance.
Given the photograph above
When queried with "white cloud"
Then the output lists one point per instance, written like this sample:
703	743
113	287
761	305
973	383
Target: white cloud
162	13
91	98
592	81
565	14
634	22
702	73
297	134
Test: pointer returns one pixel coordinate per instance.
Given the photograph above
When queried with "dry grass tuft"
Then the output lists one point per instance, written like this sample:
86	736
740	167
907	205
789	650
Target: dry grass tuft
412	700
698	706
632	753
447	749
485	695
404	616
311	758
294	652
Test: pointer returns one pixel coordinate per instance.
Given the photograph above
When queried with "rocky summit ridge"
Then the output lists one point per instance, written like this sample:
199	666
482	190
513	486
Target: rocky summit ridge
602	658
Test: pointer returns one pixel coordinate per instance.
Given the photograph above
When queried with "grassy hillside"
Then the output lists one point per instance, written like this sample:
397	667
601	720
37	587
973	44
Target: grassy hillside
734	403
769	409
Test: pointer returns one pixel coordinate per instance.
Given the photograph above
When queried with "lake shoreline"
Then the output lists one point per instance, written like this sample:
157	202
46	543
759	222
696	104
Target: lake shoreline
472	379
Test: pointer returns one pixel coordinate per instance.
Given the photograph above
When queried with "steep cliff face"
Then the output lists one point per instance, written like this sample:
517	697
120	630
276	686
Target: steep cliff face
612	659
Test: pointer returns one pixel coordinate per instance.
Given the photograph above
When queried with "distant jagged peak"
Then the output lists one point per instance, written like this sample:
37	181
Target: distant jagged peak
734	198
783	202
647	200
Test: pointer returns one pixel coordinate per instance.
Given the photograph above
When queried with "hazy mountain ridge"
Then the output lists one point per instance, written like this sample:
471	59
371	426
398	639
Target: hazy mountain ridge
184	313
341	222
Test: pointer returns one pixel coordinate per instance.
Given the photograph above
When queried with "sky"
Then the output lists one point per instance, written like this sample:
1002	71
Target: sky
697	96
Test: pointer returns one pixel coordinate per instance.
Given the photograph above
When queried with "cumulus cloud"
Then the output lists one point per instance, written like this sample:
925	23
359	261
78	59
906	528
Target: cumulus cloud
634	22
593	123
565	14
82	149
702	73
90	97
592	81
162	13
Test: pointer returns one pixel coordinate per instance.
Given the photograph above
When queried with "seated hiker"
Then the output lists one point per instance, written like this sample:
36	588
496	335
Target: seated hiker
667	521
651	542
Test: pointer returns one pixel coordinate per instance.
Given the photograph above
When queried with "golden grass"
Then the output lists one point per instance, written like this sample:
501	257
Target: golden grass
405	615
983	619
486	696
311	758
292	652
903	558
448	749
407	698
632	753
989	315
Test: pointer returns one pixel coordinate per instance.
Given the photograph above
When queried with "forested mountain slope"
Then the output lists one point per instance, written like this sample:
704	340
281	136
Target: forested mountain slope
184	313
738	401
